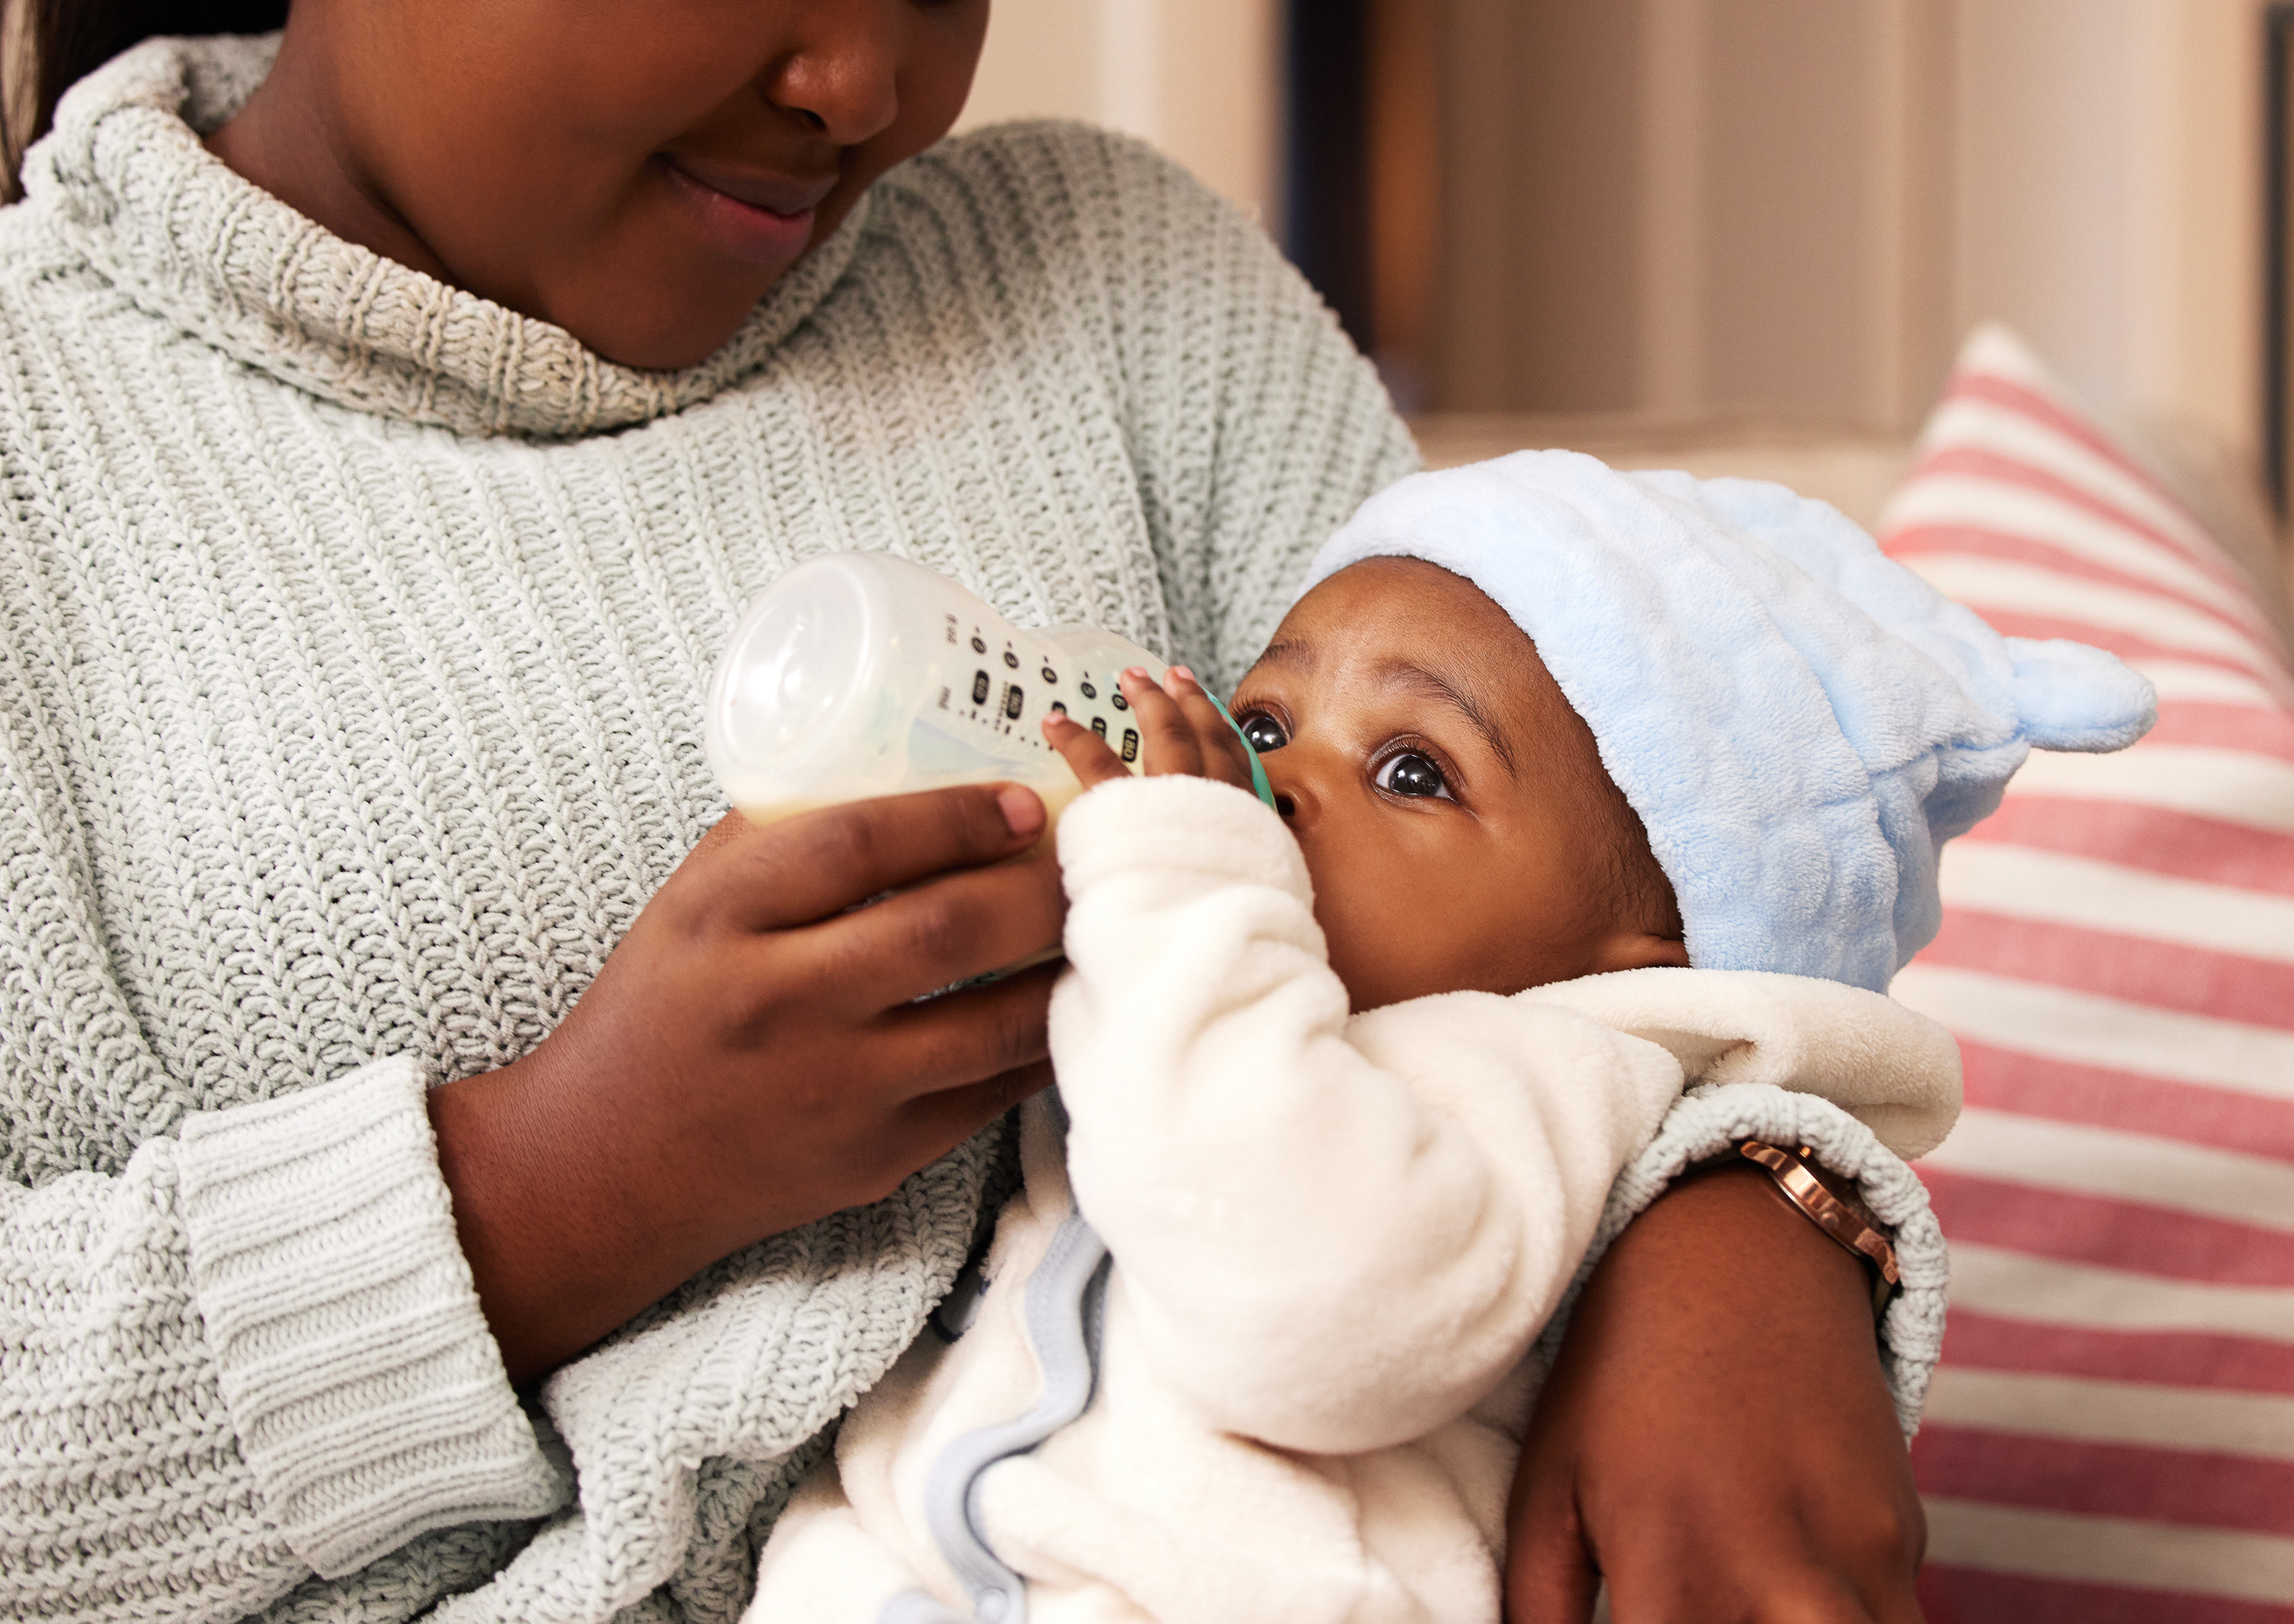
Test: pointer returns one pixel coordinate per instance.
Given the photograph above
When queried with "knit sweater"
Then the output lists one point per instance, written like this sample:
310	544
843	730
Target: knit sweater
353	635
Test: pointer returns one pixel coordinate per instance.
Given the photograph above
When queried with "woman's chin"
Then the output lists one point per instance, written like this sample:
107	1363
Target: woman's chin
663	334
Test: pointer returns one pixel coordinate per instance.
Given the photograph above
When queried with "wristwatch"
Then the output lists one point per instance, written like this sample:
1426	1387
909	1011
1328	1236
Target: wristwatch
1829	1202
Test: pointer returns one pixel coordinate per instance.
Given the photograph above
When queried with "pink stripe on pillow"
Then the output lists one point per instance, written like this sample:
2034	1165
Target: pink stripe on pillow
2169	1358
1977	463
2080	1229
2136	648
2166	843
1972	541
2199	981
1952	1595
2266	733
2108	1479
2068	1091
1979	382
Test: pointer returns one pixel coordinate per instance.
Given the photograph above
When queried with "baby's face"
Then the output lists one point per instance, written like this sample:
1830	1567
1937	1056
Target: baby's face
1451	807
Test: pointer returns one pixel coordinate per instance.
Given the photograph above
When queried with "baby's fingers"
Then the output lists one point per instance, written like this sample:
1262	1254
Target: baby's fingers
1167	741
1086	753
1225	755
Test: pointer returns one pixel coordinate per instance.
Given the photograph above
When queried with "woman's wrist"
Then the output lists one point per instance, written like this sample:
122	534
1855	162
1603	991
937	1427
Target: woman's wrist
1802	1185
1726	1223
558	1258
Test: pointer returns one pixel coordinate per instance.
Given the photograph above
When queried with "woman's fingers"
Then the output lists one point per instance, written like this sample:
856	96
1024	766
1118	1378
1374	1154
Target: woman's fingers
1550	1577
920	940
966	1037
934	1124
817	865
1550	1583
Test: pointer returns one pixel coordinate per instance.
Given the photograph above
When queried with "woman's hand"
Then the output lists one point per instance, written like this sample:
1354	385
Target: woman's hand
1182	730
1716	1441
751	1058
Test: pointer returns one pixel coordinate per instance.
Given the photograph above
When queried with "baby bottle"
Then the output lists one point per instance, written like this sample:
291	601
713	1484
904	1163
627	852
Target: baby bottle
859	674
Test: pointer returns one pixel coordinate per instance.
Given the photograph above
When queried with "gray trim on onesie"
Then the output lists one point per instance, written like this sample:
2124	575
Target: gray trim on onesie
1065	1299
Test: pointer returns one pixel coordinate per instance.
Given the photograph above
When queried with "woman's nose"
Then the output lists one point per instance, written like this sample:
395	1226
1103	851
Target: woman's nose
842	78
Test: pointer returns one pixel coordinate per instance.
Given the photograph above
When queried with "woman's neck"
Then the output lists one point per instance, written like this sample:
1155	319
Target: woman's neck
289	141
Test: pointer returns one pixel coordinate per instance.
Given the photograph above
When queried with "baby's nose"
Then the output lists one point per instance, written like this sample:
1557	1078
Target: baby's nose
1287	807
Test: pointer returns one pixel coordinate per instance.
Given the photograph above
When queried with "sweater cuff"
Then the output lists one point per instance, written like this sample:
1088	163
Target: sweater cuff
1707	1120
1176	822
368	1393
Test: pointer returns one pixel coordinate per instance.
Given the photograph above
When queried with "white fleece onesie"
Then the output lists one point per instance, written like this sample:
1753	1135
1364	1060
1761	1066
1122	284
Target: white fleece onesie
1299	1389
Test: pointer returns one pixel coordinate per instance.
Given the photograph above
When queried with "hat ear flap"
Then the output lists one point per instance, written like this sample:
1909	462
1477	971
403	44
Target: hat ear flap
2069	696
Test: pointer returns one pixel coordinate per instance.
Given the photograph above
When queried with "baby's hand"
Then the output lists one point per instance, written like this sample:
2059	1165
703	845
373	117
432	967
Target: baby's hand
1181	730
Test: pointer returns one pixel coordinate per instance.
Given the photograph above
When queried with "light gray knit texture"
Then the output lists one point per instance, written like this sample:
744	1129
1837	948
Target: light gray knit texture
353	635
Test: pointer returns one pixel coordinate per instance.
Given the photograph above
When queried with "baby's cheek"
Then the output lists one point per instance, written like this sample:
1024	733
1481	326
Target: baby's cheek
1388	942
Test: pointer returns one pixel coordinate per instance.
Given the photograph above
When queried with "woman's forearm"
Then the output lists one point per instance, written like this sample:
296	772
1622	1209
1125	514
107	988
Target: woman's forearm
1717	1438
552	1213
1722	1240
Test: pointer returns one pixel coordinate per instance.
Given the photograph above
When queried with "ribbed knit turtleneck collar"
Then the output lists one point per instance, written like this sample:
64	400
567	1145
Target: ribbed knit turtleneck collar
188	240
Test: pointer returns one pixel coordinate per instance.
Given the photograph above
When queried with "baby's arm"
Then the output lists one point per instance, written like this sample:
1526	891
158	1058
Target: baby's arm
1333	1236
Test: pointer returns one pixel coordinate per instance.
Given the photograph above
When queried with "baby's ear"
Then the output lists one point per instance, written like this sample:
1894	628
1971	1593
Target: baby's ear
1640	950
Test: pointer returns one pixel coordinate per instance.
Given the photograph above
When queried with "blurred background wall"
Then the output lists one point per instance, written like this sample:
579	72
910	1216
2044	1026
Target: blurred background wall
1787	210
1201	78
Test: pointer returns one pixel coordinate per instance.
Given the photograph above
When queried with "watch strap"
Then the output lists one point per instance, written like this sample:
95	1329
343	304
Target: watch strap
1833	1205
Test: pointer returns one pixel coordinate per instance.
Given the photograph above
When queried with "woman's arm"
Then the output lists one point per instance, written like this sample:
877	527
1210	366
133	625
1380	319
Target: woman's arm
1718	1438
752	1058
251	1353
266	1317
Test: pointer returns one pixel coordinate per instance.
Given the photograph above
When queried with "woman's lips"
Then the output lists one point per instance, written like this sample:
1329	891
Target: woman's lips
762	219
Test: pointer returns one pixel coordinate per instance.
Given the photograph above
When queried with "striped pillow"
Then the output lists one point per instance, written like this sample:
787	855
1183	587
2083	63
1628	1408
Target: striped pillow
2111	1437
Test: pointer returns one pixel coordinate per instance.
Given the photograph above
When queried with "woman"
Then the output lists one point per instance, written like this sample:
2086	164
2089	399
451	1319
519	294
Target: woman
390	432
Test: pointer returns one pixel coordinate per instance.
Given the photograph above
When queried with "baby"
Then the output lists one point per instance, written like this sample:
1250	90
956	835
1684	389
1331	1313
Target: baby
1587	787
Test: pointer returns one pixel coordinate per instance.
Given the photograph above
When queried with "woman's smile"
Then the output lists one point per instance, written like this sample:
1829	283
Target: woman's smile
761	220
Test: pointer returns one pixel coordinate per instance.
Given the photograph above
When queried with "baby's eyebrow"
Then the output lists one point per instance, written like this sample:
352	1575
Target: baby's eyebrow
1401	672
1284	652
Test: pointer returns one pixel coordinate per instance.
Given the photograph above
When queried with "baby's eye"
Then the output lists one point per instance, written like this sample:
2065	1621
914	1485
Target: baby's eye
1411	774
1264	732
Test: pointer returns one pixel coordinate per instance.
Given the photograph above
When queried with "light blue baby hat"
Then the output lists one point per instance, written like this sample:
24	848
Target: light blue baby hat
1800	721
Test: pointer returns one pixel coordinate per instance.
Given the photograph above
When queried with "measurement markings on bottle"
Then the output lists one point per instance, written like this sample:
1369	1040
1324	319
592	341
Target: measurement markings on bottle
1131	744
979	688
